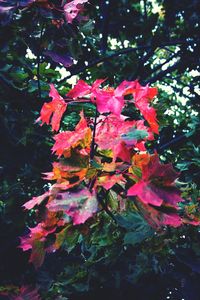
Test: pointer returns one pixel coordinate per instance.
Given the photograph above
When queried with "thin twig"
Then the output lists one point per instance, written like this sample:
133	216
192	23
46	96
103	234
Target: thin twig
172	142
93	136
38	77
38	62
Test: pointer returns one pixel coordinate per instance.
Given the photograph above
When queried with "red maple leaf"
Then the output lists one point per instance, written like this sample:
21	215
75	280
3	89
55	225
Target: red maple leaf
35	241
157	218
157	186
67	140
36	200
116	134
108	181
53	110
142	96
82	89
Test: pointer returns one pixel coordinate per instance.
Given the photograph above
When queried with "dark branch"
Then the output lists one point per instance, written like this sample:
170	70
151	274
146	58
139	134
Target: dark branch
172	142
161	74
122	52
161	65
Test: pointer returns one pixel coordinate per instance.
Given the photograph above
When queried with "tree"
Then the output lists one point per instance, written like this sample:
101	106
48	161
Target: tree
44	45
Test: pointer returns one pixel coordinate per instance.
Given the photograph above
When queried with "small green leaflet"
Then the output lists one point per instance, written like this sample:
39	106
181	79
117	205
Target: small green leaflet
134	135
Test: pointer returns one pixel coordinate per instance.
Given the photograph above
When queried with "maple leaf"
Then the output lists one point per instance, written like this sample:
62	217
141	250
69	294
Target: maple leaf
108	181
120	136
53	110
63	171
82	89
73	8
35	241
112	100
142	95
107	101
68	140
67	176
157	187
36	200
157	218
80	205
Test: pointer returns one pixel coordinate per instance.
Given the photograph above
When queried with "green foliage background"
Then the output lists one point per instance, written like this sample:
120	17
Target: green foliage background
156	42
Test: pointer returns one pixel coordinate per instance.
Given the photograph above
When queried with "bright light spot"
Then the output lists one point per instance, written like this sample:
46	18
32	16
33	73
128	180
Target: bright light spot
194	73
168	64
197	90
72	80
63	72
47	66
114	43
29	54
126	43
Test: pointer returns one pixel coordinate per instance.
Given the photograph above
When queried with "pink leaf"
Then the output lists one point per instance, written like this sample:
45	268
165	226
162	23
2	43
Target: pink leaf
36	201
80	206
73	8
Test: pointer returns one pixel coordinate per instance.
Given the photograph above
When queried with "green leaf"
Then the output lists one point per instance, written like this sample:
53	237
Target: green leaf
134	134
138	229
135	237
88	27
131	221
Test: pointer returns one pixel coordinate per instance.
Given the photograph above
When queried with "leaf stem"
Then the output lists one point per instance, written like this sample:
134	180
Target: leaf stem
93	136
104	206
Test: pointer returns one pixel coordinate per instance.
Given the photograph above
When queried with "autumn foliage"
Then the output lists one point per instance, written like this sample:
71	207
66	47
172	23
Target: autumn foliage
104	154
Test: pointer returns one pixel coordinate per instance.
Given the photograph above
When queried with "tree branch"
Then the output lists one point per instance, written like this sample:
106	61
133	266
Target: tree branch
167	61
161	74
172	142
121	52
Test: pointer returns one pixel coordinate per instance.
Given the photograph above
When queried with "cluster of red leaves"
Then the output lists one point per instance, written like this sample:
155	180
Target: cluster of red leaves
107	152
